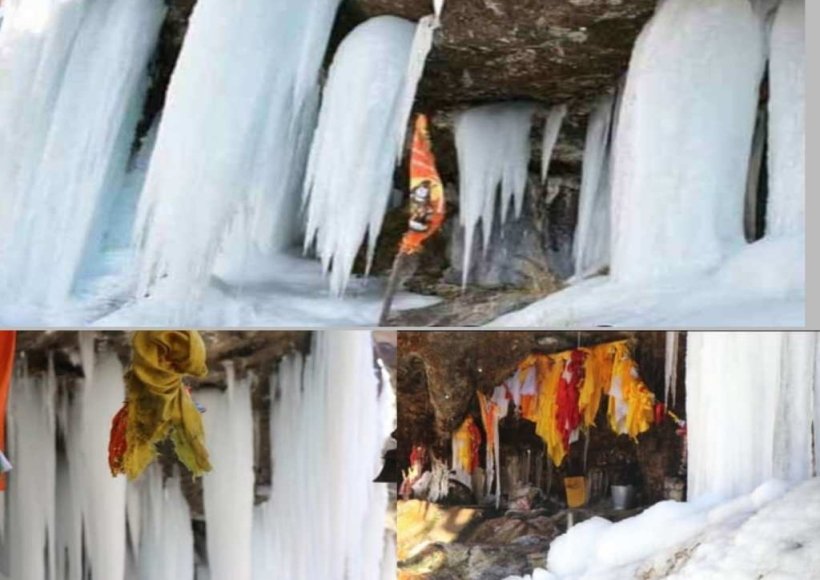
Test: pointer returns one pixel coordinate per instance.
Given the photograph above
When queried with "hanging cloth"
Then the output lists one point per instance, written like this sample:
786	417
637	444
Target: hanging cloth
631	403
7	344
549	371
158	406
596	381
492	411
527	375
427	207
568	416
466	443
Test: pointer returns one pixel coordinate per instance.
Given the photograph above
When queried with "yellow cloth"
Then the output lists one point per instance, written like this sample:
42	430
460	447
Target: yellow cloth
159	405
549	370
634	395
597	378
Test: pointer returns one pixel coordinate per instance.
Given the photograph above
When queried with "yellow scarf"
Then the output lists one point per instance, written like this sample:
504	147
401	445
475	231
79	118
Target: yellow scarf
158	404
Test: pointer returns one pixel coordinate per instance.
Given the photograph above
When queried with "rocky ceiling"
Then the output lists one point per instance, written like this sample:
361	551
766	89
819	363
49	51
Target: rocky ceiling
439	372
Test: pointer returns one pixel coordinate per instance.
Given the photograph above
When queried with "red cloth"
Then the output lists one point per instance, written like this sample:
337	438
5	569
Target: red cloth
117	443
568	418
7	344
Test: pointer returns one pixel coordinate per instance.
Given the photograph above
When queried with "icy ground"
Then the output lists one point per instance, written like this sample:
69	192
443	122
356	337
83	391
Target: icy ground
763	285
287	290
772	532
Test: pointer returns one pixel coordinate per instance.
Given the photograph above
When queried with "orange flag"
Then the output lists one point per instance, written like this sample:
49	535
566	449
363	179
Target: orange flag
427	209
7	341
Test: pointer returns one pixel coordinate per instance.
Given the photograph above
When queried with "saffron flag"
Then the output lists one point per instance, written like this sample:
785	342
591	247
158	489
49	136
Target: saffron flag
7	342
427	208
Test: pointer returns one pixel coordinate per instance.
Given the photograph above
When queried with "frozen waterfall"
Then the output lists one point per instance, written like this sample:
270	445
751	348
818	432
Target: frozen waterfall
684	139
787	102
325	517
356	145
751	410
73	77
229	487
493	145
242	95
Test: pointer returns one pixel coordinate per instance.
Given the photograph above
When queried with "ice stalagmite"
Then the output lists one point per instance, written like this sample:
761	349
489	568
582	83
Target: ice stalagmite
552	127
31	484
493	147
325	518
242	95
74	75
167	545
229	487
354	151
684	139
749	410
787	101
592	236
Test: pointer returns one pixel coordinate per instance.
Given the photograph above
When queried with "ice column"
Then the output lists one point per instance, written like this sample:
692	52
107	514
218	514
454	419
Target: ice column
31	484
749	410
167	545
493	144
684	138
325	518
354	152
592	234
74	75
787	101
243	93
229	487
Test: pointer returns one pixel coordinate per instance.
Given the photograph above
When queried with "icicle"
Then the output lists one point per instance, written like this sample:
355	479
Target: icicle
31	486
683	143
591	245
787	148
749	412
325	518
552	127
229	488
670	374
69	102
241	96
350	172
167	545
493	147
420	49
438	7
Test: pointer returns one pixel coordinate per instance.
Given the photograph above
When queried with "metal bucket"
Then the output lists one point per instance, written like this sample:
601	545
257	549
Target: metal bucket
623	496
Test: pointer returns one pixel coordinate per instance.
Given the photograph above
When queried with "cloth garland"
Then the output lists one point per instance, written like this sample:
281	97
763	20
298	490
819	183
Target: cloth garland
158	406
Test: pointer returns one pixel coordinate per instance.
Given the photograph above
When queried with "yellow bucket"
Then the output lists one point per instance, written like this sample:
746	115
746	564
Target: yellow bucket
576	489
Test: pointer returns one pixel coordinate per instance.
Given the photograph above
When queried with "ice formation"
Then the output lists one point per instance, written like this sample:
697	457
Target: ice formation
229	487
493	144
74	74
750	410
787	147
681	157
670	370
230	155
684	138
31	508
355	147
325	518
167	540
552	128
592	235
